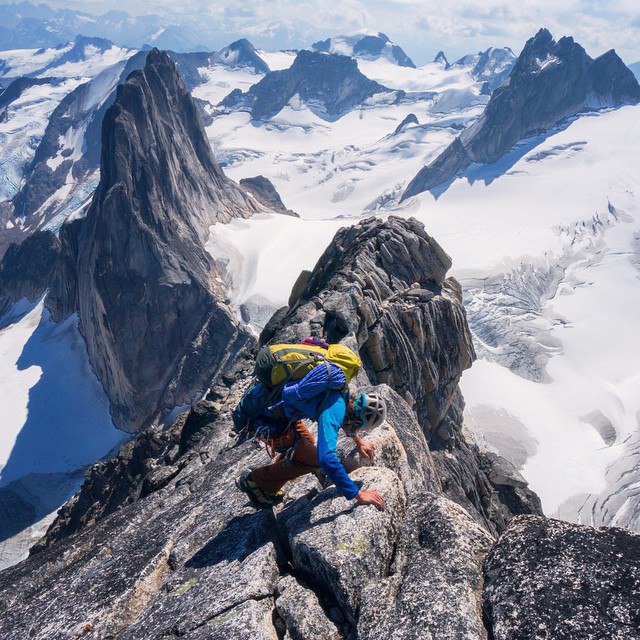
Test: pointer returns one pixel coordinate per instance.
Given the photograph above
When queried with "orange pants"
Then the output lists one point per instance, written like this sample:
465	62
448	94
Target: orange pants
304	460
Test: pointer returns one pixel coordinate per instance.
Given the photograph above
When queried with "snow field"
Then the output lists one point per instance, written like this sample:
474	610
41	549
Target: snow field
55	412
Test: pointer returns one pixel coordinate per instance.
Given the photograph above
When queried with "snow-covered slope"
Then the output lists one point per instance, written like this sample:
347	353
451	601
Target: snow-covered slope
346	165
545	242
83	58
55	422
367	45
23	62
22	125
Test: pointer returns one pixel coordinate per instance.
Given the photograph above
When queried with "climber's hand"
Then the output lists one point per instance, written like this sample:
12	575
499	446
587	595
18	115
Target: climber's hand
366	449
371	496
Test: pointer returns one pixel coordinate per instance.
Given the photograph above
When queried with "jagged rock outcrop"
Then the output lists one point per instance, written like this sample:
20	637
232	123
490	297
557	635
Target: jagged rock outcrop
386	283
265	193
549	82
441	59
492	67
329	81
368	45
551	579
27	269
148	296
409	119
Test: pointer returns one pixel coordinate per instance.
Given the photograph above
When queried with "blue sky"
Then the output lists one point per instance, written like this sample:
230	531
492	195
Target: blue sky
421	27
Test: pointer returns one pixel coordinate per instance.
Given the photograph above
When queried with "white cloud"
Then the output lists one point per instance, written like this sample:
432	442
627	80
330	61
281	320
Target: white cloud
421	27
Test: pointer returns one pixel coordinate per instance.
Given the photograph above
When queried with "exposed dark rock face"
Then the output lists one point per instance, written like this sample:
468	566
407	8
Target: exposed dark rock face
135	270
441	59
93	135
161	188
330	81
410	119
366	46
551	579
28	269
16	88
549	82
265	193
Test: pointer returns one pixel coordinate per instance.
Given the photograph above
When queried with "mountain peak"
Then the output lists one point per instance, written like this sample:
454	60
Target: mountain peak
367	45
442	59
549	82
141	248
330	81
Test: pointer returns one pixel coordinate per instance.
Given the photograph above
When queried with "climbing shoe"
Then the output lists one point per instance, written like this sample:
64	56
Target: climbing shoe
260	499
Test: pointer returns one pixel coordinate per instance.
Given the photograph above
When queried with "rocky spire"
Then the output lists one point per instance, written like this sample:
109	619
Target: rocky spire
148	292
550	81
441	59
148	296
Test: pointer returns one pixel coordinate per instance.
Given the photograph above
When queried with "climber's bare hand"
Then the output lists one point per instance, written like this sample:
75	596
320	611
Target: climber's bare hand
366	449
371	497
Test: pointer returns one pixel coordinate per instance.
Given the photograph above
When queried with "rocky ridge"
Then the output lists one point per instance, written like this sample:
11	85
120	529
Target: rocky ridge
158	542
549	82
329	82
200	562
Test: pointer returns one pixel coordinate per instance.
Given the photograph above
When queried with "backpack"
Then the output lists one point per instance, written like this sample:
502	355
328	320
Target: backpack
280	363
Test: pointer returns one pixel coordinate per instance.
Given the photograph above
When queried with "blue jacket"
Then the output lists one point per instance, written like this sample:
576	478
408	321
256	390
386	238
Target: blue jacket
319	396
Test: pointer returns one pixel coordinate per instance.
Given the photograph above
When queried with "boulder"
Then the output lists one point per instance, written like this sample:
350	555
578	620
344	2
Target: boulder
435	588
343	546
302	613
550	579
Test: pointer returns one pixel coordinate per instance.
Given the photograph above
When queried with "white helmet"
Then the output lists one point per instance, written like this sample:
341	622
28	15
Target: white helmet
369	410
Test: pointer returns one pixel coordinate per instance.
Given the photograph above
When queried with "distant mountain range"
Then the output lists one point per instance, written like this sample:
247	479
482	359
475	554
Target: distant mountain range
27	26
366	44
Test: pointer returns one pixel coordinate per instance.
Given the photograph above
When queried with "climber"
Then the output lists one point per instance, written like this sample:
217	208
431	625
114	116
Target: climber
310	398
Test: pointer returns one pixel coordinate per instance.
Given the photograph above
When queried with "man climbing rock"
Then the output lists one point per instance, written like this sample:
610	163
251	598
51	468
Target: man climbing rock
321	395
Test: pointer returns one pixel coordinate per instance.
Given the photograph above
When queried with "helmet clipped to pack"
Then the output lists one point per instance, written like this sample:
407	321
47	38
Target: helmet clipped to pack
369	411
